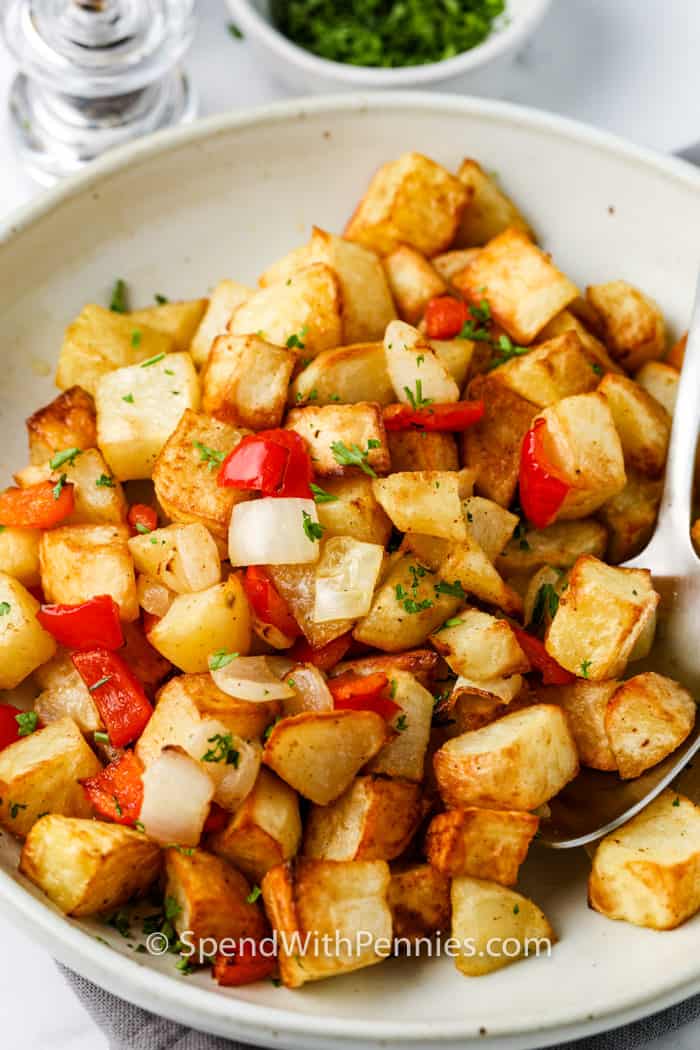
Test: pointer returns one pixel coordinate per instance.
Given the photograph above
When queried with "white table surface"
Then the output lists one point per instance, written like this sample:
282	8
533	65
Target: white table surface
630	66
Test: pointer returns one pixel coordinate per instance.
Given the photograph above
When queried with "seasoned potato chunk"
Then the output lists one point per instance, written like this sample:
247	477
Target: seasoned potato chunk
375	819
65	695
246	381
450	263
88	867
417	370
661	381
489	212
338	900
19	554
559	545
632	324
197	625
489	524
66	422
183	557
492	447
600	617
81	561
585	705
630	516
404	754
467	567
484	843
600	360
98	497
345	375
422	450
413	201
413	282
223	303
648	872
41	773
178	320
478	645
426	501
419	899
351	510
552	370
517	762
642	424
24	644
648	717
341	437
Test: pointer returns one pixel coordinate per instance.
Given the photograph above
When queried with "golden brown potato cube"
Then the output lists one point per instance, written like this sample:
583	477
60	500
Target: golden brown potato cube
223	303
519	761
642	424
88	867
425	501
41	773
630	517
419	899
264	831
600	617
421	450
490	920
19	554
375	819
413	201
450	263
297	585
489	212
336	910
339	437
631	323
344	375
661	381
484	843
212	898
598	357
184	558
585	704
24	644
550	371
523	288
457	356
79	562
66	422
98	496
478	645
648	872
489	524
65	695
246	381
648	717
99	341
178	320
467	565
413	282
404	754
319	752
492	446
304	313
352	511
559	545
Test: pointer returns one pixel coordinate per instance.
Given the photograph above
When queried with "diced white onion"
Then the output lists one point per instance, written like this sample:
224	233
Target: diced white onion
410	360
234	780
177	794
153	596
311	692
346	577
197	564
270	531
255	678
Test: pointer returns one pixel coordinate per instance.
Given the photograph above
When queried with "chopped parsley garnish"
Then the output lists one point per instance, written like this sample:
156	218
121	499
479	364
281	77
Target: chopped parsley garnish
478	329
585	667
676	801
321	496
68	456
401	724
596	368
118	806
105	482
15	807
392	688
221	659
420	359
520	534
118	302
151	360
313	530
506	351
211	456
172	908
100	682
416	399
129	398
222	750
58	487
4	608
516	909
354	456
143	529
234	31
455	590
120	922
253	895
546	603
161	299
27	722
454	621
136	338
296	341
410	601
99	737
184	966
268	731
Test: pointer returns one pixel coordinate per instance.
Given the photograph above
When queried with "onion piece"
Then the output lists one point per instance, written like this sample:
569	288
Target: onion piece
232	763
255	678
153	596
411	360
177	794
270	531
346	577
311	692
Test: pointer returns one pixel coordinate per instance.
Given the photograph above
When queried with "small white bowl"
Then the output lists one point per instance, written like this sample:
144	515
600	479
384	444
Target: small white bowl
477	71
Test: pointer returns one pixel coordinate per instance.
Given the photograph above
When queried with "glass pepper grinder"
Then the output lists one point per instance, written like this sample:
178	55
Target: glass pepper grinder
94	74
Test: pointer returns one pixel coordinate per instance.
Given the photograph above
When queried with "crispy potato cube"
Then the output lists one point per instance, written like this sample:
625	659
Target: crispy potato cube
584	704
139	407
550	371
648	717
41	773
223	303
642	424
246	381
600	616
648	872
630	517
489	211
559	545
88	867
66	422
304	312
183	557
404	754
99	498
212	898
567	321
450	263
490	918
346	375
418	372
492	447
661	381
337	900
519	761
354	511
632	324
456	355
484	843
185	473
425	501
79	562
375	819
419	899
523	288
489	524
24	644
467	564
264	831
19	554
422	450
297	585
178	320
478	645
65	695
413	282
197	625
412	201
359	428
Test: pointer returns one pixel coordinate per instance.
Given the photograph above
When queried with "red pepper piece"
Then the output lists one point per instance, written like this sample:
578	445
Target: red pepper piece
9	729
39	506
116	793
141	518
445	317
552	672
325	656
356	692
117	692
542	492
91	625
457	415
267	603
273	462
217	819
248	965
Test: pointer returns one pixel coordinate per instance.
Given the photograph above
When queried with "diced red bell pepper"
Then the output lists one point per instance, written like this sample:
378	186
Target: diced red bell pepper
149	666
92	624
356	692
457	415
552	672
116	793
39	506
445	317
267	603
217	819
9	728
542	492
273	462
142	518
248	965
325	656
117	692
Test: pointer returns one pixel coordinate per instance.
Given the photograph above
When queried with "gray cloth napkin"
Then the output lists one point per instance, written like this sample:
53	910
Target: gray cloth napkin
130	1028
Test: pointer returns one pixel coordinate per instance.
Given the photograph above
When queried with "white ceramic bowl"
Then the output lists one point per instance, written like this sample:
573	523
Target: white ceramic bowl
478	71
224	198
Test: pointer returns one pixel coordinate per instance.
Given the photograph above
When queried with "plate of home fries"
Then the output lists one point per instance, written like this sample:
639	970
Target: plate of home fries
310	586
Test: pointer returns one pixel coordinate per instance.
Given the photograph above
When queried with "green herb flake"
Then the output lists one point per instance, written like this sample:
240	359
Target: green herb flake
211	456
100	682
268	731
234	31
220	659
585	668
143	529
253	895
416	398
171	908
596	368
105	482
136	340
401	724
129	398
222	750
69	456
151	360
184	966
296	341
118	303
516	909
354	456
4	608
27	722
313	530
15	807
120	922
321	496
58	487
676	801
161	299
100	738
455	590
546	604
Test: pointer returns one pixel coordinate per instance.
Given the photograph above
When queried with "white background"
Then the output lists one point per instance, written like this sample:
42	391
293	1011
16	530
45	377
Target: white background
631	66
